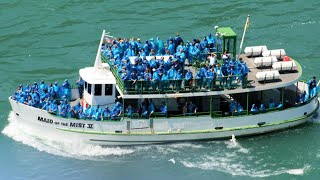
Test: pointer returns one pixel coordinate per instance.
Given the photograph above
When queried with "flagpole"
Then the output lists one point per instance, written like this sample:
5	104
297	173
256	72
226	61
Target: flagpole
244	33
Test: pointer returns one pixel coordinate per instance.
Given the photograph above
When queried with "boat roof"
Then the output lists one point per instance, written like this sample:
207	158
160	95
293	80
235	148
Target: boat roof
95	75
226	31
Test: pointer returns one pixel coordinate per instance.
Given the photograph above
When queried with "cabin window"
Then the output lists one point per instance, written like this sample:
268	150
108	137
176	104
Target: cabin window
86	86
98	89
89	88
108	89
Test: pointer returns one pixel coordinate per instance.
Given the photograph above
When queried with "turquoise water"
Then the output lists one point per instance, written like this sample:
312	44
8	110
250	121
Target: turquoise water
52	40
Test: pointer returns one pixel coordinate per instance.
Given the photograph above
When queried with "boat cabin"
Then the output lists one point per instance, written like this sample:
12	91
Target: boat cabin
99	85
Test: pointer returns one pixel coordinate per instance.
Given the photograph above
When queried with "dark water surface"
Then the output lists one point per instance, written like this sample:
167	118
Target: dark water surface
51	40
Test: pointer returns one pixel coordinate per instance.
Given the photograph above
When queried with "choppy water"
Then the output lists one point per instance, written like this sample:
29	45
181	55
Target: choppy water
52	40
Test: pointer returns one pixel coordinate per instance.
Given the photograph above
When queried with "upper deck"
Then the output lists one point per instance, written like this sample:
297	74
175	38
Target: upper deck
221	85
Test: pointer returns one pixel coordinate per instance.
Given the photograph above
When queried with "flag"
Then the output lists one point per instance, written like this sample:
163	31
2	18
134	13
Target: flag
108	40
247	23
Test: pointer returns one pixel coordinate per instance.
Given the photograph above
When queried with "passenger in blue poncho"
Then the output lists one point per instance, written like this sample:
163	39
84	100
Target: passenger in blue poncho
67	88
271	103
153	45
155	79
134	78
164	81
129	111
167	64
43	86
160	45
46	106
171	48
177	40
178	79
239	108
146	47
80	84
182	57
147	78
98	114
211	42
106	113
130	52
139	44
210	78
133	44
189	79
116	110
312	83
87	112
27	88
152	52
151	107
35	86
262	108
163	108
51	91
190	53
254	109
56	90
203	43
81	114
54	107
199	81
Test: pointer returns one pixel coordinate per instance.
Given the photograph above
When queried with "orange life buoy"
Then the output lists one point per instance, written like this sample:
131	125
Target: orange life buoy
286	58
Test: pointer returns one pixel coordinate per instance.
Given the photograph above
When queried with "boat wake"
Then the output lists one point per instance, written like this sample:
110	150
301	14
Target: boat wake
62	148
238	169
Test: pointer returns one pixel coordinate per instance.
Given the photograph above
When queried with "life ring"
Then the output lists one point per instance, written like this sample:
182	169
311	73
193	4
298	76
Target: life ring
286	58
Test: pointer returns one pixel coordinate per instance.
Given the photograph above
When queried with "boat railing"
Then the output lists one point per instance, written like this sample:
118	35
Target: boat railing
114	72
183	86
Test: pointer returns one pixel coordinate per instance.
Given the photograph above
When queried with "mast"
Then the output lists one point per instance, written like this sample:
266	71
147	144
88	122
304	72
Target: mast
244	33
98	62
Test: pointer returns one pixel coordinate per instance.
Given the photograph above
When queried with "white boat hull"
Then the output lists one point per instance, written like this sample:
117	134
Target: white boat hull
160	130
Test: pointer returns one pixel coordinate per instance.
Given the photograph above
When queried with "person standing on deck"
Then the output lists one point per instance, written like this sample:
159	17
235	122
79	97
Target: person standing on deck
312	83
177	40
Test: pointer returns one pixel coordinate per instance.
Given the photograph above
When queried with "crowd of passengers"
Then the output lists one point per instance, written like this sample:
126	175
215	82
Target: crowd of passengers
160	72
46	97
236	108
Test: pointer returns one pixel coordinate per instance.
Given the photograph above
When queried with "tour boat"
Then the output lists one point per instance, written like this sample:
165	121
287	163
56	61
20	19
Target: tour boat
192	111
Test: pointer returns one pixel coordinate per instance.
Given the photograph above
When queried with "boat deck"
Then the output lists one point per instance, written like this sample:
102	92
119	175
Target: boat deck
286	78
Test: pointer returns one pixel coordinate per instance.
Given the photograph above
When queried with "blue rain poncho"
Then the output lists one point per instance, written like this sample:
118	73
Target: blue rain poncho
130	52
188	75
254	108
171	48
106	113
172	73
43	86
160	45
210	39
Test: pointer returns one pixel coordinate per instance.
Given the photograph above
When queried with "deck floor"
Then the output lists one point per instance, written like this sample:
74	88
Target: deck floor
284	77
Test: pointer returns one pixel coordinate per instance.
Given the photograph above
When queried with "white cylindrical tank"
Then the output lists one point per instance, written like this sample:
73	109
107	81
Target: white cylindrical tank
284	66
255	50
279	53
268	75
265	61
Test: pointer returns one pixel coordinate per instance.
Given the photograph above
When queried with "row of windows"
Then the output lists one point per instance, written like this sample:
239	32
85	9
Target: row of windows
98	89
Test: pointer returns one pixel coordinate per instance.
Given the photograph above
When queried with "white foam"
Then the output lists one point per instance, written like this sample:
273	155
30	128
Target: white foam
236	145
61	148
238	169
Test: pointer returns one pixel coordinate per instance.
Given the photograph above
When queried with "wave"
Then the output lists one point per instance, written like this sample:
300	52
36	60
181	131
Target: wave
239	169
61	148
